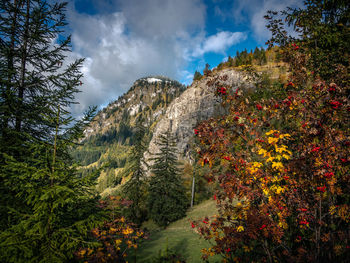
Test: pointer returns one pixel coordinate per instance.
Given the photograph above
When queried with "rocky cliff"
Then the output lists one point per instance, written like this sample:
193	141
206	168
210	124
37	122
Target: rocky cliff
149	96
196	103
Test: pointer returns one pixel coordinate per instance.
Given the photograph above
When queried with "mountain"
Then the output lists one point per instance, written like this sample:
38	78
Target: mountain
149	96
109	137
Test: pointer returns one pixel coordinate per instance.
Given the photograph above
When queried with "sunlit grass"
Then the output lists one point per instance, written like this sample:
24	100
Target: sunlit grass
178	237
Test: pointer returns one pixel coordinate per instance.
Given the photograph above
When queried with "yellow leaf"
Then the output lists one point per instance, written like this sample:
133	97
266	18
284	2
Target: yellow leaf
118	242
262	152
240	229
285	156
266	192
271	132
270	159
284	135
271	140
277	165
278	157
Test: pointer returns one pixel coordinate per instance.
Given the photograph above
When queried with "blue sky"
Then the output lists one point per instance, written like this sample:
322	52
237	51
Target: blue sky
123	40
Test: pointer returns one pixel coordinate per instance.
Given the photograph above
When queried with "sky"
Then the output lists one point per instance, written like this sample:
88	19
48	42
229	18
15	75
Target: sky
124	40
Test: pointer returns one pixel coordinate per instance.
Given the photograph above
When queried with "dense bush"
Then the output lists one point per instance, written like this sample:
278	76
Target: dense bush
282	161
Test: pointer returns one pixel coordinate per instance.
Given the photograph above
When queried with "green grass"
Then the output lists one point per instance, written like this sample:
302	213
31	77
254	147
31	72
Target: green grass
178	237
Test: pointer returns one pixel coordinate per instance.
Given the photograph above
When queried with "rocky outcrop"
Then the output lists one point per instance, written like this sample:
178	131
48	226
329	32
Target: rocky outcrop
195	104
149	95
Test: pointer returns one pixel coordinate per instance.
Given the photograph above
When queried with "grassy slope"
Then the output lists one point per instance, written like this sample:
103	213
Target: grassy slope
178	236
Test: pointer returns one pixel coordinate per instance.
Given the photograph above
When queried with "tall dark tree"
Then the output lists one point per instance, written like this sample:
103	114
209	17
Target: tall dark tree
46	207
135	189
167	197
206	70
197	75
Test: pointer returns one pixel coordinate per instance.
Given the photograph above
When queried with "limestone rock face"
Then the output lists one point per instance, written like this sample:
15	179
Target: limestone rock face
195	104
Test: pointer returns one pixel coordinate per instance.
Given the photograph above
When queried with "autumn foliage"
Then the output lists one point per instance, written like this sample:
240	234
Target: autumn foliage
283	174
111	241
281	158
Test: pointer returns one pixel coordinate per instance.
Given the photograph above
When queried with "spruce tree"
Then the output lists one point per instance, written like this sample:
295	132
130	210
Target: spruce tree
206	70
46	207
197	75
135	189
167	198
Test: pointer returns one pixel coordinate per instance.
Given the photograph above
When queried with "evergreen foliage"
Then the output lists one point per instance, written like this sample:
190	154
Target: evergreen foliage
167	198
197	76
46	207
244	58
259	56
135	189
206	70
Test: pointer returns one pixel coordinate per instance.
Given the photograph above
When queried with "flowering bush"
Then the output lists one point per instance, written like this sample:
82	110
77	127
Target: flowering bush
111	241
284	193
284	177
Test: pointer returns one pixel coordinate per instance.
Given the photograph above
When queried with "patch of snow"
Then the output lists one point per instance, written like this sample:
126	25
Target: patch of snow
129	99
134	109
152	80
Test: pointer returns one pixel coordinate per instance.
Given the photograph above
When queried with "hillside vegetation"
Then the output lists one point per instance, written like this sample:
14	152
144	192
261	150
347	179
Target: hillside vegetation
110	135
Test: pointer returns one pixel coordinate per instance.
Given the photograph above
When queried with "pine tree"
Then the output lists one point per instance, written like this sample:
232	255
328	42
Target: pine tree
230	61
167	198
135	189
197	75
46	207
263	59
206	70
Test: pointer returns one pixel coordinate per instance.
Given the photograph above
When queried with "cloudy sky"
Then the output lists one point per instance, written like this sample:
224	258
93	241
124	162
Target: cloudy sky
123	40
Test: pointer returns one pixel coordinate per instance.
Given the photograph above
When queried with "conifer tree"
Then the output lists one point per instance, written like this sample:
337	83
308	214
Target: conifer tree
263	59
135	189
46	207
230	61
197	75
167	198
206	70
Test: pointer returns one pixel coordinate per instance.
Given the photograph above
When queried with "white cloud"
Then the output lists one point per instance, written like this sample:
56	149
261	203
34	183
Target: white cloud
140	39
252	12
258	22
129	39
219	42
157	18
